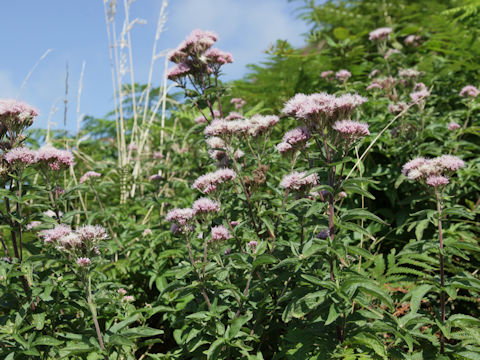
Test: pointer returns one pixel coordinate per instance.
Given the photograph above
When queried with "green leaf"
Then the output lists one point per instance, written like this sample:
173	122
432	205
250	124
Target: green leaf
264	259
47	340
237	325
119	326
361	214
332	315
142	332
417	295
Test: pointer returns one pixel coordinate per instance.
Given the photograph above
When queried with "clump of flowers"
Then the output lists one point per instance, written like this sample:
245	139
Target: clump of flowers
21	156
380	33
453	126
55	159
413	40
88	175
343	75
351	130
294	139
434	171
470	91
299	181
180	216
209	182
220	233
205	206
327	75
15	116
52	235
238	102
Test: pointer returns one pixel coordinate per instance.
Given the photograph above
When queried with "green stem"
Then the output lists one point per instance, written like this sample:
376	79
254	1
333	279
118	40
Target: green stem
93	309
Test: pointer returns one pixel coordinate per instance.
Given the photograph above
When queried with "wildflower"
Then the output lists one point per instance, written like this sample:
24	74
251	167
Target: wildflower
258	124
221	127
421	168
84	262
209	182
215	142
69	241
252	245
178	71
390	52
373	73
283	147
128	298
180	216
374	86
56	159
92	233
380	33
219	233
298	181
412	40
227	251
234	223
16	114
397	108
351	129
122	291
453	126
205	205
52	235
343	75
297	135
20	155
33	225
217	56
155	177
469	90
342	194
89	174
157	155
419	96
147	232
450	162
239	102
234	116
200	119
326	74
437	181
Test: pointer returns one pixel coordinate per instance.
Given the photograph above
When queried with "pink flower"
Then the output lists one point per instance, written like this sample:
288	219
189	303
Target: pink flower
122	291
70	241
17	113
412	40
84	262
178	71
155	177
342	194
33	225
157	155
397	108
220	233
380	33
258	124
205	205
128	298
234	116
418	97
20	155
209	182
52	235
252	245
298	181
351	129
297	135
409	73
284	147
88	175
373	73
180	216
92	233
469	90
450	162
56	159
343	75
453	126
239	102
234	223
200	119
374	86
437	181
413	164
326	74
218	56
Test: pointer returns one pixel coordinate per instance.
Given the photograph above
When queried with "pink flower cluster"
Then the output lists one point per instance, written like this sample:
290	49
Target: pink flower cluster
92	233
89	174
322	105
299	181
469	90
195	55
205	206
409	73
413	40
180	216
220	233
390	52
453	126
20	155
239	102
374	86
293	139
84	262
16	114
327	74
202	120
209	182
234	116
351	129
380	33
254	126
56	159
343	75
433	171
53	235
397	108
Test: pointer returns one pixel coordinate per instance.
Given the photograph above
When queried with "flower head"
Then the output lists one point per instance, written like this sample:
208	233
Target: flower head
437	180
380	33
180	216
92	233
56	159
351	129
16	114
178	71
252	245
453	126
343	75
296	136
52	235
205	205
209	182
220	233
239	102
89	174
299	181
20	155
469	90
84	262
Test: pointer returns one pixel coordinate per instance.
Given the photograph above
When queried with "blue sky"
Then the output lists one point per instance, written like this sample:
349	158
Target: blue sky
75	31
